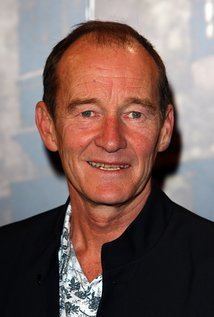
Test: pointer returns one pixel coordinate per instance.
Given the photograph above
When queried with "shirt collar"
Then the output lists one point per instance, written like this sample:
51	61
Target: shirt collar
67	255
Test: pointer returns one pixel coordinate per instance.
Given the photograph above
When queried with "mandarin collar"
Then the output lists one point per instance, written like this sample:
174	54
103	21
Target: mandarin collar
141	235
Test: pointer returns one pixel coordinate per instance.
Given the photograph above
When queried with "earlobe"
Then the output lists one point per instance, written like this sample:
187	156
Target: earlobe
46	126
166	130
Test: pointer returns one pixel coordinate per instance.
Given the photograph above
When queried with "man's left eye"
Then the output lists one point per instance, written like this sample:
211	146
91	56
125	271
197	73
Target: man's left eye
87	113
135	115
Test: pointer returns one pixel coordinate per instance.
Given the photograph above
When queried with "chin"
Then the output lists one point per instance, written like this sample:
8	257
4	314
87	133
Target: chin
110	198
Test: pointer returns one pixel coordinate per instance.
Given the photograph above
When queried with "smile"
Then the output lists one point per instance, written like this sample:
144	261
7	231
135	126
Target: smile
108	167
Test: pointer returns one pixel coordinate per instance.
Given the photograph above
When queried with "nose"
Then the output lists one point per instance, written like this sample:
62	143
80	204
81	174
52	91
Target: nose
111	135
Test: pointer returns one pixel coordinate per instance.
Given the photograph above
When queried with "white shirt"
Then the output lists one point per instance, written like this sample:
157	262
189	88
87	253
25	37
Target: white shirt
77	297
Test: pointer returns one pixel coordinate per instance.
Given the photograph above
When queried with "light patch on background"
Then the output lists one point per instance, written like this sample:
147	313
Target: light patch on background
90	10
209	18
203	73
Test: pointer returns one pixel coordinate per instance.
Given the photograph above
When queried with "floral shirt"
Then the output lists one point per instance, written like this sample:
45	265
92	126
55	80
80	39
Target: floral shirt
77	297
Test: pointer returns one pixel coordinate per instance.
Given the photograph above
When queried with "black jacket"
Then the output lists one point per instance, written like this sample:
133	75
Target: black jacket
162	265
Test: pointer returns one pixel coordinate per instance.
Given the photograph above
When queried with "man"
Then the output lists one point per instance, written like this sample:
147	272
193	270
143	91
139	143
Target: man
119	246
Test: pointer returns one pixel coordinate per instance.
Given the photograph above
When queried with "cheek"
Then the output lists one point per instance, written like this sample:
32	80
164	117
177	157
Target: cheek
145	143
73	140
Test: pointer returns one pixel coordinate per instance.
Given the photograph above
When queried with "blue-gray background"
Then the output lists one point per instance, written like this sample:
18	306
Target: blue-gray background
183	33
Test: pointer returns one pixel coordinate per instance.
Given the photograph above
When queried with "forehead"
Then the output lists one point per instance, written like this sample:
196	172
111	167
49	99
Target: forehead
85	60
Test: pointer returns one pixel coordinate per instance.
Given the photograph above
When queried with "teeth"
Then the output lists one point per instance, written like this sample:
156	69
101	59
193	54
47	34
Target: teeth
108	167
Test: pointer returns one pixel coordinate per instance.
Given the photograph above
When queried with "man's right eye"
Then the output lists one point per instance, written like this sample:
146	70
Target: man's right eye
87	113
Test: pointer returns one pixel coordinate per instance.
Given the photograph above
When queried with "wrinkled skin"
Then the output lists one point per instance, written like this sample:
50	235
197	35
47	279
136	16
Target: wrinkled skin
107	112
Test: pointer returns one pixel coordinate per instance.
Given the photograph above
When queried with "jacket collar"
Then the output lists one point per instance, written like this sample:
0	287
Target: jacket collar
49	242
141	235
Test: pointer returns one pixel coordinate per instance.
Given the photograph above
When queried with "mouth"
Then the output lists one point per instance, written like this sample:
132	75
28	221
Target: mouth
108	167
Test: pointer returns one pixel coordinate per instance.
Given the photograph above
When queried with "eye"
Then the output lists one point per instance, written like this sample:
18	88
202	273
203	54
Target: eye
87	113
135	115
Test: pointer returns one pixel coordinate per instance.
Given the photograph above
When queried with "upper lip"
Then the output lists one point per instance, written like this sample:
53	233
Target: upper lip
108	162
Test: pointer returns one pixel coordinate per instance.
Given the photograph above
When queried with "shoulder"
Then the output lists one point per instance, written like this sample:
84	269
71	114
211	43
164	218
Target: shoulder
32	228
190	231
180	216
187	219
27	246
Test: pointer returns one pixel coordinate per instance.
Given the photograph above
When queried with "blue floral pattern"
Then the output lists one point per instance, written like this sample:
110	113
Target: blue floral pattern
77	297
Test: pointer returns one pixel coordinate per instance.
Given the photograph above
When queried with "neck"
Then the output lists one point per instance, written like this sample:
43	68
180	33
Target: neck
93	224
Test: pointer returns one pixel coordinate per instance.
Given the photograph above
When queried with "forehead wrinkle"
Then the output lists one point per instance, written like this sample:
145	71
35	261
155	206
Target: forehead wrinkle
71	68
108	91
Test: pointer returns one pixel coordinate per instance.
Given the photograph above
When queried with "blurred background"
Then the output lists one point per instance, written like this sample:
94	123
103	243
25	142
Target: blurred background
182	31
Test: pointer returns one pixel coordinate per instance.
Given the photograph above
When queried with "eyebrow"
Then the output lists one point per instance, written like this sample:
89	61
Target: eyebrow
142	102
78	102
145	102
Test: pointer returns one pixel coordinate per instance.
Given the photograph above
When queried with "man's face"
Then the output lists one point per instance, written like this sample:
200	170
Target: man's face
108	128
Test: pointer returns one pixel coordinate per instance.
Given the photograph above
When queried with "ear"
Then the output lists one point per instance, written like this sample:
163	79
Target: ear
46	126
166	130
